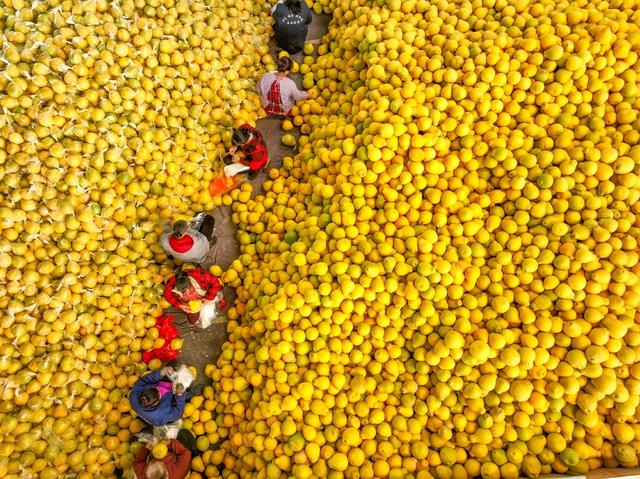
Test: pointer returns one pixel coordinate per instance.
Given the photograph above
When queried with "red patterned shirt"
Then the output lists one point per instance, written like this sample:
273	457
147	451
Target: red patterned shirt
275	106
208	282
254	151
181	245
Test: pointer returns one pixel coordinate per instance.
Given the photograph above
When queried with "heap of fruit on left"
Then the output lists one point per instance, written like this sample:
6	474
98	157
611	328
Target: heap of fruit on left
113	115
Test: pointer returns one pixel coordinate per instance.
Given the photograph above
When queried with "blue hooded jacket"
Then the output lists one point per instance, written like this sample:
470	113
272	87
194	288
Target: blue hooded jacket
170	408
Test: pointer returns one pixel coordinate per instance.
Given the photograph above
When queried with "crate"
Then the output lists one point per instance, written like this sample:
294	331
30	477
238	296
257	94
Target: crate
617	473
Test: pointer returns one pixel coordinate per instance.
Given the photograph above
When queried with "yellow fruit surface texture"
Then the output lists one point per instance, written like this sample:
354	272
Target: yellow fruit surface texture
112	117
443	282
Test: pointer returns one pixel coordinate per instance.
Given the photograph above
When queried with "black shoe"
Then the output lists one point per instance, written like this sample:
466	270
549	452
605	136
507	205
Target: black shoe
196	390
206	228
207	224
188	440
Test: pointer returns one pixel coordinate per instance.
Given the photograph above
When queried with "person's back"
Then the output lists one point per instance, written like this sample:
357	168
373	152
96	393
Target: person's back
278	92
152	398
292	18
187	244
175	465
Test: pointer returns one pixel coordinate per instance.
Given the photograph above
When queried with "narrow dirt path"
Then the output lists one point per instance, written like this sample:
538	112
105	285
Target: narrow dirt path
202	347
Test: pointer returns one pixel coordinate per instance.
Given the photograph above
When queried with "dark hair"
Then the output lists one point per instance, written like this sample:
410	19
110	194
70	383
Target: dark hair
150	398
180	227
284	64
241	136
182	281
293	5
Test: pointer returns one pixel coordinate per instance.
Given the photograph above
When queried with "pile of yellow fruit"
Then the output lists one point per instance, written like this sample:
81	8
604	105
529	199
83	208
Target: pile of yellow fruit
112	117
443	283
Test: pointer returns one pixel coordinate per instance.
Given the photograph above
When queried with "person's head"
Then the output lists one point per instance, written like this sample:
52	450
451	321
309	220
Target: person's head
241	136
157	470
182	282
284	65
180	228
150	398
293	5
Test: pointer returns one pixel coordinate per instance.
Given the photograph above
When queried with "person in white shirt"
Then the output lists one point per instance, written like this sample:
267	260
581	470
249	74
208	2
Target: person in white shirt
188	244
278	92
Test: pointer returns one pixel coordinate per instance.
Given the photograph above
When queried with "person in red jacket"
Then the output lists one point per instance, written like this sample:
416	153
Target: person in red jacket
175	465
248	149
193	285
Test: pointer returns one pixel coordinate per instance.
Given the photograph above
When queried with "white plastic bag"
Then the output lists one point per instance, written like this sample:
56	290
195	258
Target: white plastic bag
161	433
210	311
207	314
169	431
145	437
235	168
182	378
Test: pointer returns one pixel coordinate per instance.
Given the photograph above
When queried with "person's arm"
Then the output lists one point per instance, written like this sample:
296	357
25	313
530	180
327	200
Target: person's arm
182	458
294	93
188	394
256	134
261	87
176	408
208	282
140	462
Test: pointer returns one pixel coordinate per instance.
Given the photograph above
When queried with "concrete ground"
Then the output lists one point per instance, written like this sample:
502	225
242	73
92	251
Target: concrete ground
202	347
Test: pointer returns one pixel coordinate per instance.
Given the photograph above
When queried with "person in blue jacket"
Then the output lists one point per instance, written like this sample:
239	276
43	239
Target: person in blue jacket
156	400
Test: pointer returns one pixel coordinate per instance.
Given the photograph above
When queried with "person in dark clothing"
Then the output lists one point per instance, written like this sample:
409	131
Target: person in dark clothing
292	18
249	148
